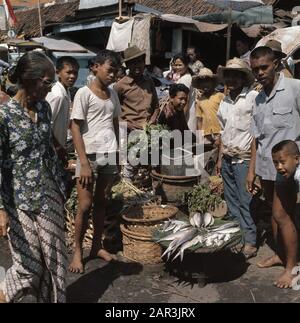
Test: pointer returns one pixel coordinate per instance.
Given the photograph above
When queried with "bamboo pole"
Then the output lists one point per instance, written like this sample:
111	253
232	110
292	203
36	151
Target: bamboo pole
229	34
120	8
40	18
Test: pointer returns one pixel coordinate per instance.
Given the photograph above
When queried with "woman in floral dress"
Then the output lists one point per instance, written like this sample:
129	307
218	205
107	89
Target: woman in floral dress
32	189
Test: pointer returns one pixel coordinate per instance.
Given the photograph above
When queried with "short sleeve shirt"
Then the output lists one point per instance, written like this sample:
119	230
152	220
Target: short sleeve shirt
275	118
207	109
97	114
138	101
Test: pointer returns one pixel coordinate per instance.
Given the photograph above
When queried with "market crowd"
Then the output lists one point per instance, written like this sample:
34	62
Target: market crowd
249	110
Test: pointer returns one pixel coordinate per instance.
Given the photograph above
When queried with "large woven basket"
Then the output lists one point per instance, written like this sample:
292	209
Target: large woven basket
140	248
139	223
144	219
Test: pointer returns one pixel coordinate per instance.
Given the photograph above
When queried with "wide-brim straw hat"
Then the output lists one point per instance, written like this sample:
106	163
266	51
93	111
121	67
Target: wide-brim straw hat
237	64
204	73
133	52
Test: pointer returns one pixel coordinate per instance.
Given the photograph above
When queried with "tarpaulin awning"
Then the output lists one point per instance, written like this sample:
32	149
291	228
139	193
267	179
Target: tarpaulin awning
24	43
59	45
257	15
288	37
201	26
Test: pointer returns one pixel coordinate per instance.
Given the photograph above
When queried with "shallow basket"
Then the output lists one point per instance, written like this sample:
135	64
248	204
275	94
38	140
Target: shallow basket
144	219
140	248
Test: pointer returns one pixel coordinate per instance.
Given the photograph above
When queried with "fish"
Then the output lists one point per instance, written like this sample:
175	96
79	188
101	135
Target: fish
187	236
185	246
173	236
180	227
225	226
192	221
198	220
169	249
207	218
227	237
229	230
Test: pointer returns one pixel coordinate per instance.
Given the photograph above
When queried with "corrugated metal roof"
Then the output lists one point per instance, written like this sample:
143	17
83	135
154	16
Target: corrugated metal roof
27	3
28	22
186	8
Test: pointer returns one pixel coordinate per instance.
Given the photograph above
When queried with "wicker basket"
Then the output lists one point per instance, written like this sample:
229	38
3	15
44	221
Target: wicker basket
139	222
140	248
144	219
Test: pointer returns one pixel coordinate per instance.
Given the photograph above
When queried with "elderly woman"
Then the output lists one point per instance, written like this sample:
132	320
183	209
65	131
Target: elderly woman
32	190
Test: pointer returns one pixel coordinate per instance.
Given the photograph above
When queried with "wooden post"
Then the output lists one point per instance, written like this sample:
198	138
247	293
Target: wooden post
229	34
40	18
120	8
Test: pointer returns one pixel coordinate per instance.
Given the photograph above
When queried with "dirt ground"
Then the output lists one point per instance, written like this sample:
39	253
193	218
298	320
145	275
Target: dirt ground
230	279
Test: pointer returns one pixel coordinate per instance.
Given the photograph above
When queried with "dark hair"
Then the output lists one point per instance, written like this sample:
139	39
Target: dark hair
262	51
66	60
196	49
31	66
91	62
175	88
108	55
289	145
183	57
12	90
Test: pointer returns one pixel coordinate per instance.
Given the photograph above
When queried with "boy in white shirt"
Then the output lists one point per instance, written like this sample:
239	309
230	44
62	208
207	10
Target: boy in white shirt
95	128
60	100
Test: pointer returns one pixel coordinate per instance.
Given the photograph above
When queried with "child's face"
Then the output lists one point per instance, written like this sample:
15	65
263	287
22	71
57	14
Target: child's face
206	86
285	163
68	75
179	101
234	80
105	73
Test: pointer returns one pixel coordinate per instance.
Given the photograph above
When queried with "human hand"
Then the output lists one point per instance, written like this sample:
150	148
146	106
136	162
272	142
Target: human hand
169	111
86	176
250	182
4	222
219	167
71	165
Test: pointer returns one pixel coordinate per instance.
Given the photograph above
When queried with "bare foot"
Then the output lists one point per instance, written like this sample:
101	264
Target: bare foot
2	297
270	262
76	265
285	280
103	254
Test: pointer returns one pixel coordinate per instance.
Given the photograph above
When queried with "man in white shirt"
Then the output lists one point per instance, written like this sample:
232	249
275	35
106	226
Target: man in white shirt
235	114
60	100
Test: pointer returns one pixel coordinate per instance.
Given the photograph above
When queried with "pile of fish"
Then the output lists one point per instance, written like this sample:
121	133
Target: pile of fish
199	231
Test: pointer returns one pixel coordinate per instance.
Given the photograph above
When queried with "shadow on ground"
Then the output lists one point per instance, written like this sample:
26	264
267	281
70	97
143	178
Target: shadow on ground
208	268
90	287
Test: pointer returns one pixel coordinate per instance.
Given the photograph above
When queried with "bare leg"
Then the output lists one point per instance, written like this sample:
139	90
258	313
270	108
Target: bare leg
103	188
81	222
283	208
275	260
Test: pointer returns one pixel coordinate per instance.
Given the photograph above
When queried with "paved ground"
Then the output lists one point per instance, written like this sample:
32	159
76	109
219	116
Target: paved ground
231	280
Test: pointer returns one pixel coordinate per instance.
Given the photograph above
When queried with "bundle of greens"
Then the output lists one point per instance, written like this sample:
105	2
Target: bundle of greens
144	141
201	199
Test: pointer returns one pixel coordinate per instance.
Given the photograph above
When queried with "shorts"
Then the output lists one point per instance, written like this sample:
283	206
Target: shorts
98	170
281	180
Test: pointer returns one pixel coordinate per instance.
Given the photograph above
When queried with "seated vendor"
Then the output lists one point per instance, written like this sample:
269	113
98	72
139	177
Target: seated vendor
172	114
